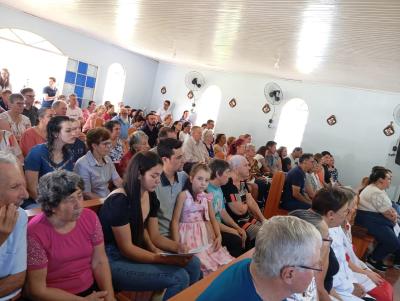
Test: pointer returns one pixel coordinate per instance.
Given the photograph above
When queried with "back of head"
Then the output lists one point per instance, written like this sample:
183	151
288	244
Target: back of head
310	216
276	241
236	161
167	146
378	172
164	131
329	199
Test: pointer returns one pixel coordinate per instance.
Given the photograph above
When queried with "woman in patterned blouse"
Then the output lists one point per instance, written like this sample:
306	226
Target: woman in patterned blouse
118	147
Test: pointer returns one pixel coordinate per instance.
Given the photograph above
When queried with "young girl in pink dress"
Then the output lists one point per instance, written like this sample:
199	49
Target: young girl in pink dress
194	224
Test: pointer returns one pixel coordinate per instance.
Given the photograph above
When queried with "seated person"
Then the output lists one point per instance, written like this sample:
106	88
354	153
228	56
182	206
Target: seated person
293	196
272	159
66	255
13	222
286	162
52	155
240	204
273	273
118	146
96	168
9	144
233	237
375	212
138	142
312	183
78	148
133	241
194	223
237	147
37	134
95	119
194	149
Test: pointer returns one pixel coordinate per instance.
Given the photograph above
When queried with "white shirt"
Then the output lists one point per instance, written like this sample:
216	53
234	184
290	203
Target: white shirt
17	128
75	113
374	199
162	113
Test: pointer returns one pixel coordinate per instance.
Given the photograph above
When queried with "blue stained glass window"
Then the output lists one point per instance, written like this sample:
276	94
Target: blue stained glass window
78	91
90	82
70	77
82	68
80	80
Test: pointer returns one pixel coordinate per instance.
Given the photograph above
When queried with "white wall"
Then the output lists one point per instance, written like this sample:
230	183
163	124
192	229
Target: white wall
140	70
356	141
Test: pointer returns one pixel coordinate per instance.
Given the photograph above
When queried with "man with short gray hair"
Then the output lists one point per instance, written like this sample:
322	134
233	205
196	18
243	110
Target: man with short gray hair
275	272
59	107
13	222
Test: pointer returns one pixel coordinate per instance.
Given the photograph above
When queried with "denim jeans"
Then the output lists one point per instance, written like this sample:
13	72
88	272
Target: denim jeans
382	230
134	276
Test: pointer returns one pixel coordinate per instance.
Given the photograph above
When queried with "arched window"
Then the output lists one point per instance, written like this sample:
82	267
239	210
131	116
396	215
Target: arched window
208	105
292	124
115	84
30	59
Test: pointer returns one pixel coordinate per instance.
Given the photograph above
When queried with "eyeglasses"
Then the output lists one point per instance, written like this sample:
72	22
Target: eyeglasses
330	240
106	143
28	95
308	268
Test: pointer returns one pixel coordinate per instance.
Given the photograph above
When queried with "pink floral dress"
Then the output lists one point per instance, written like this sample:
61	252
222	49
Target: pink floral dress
195	232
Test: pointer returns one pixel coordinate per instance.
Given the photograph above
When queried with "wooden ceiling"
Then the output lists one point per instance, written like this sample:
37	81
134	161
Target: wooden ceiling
345	42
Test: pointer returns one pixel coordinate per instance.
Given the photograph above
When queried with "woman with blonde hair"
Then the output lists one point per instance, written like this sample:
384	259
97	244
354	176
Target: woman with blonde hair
95	119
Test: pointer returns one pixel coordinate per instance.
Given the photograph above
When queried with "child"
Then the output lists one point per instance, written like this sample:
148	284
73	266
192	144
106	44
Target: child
194	224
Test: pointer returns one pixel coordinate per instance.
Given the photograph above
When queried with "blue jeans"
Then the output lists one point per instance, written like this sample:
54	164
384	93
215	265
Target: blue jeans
134	276
382	230
293	204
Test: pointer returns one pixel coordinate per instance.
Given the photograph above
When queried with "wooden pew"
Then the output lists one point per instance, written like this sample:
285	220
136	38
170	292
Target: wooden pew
195	290
95	205
361	241
274	196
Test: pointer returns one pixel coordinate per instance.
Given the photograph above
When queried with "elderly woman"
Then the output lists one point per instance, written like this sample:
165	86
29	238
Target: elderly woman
238	147
220	148
375	212
52	155
13	120
66	256
273	270
131	233
96	168
37	134
138	142
208	139
118	146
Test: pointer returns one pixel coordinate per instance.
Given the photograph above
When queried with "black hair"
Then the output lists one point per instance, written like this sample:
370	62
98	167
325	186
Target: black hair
218	138
305	156
378	172
218	167
324	153
329	199
270	144
53	131
109	125
186	124
137	167
166	147
167	101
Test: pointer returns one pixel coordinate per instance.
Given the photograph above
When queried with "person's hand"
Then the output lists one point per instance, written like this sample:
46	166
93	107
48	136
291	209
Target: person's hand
181	261
97	296
183	248
217	243
243	235
358	290
8	218
375	277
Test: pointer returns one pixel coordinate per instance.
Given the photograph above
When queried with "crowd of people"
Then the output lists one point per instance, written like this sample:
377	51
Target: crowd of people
180	201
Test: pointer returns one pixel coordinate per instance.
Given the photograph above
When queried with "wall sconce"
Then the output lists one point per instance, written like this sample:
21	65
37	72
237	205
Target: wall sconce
190	94
163	90
232	103
389	130
331	120
266	108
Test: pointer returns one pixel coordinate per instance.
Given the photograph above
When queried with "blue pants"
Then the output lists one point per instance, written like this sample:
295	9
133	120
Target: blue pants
382	230
133	276
293	204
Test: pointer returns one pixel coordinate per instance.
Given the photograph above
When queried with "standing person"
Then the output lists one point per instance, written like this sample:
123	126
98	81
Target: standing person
5	80
194	223
73	109
185	133
133	243
4	100
118	146
233	237
123	121
37	134
13	120
150	129
50	156
163	111
89	110
66	256
273	273
13	221
49	93
294	196
30	110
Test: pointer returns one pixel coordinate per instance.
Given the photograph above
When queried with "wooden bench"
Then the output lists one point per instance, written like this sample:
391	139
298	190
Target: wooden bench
95	205
195	290
274	196
361	240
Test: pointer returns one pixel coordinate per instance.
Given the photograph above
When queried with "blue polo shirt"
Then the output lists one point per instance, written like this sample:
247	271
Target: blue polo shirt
235	283
13	251
295	177
38	160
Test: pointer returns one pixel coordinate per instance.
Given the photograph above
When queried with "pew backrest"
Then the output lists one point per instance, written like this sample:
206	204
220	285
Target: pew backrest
274	196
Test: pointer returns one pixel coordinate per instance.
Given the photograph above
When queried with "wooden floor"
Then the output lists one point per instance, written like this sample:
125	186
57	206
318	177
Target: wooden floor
393	277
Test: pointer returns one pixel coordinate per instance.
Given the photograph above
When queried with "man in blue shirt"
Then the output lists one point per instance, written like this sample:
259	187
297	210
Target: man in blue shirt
293	196
273	273
123	120
13	221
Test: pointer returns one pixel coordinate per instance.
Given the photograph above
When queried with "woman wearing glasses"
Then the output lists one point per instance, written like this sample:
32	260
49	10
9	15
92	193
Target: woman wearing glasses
96	167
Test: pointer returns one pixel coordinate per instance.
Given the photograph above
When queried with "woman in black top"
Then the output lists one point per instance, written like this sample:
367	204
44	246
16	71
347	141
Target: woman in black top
133	242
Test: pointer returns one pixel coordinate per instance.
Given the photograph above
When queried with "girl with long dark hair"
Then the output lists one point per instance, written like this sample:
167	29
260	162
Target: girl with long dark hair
133	243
